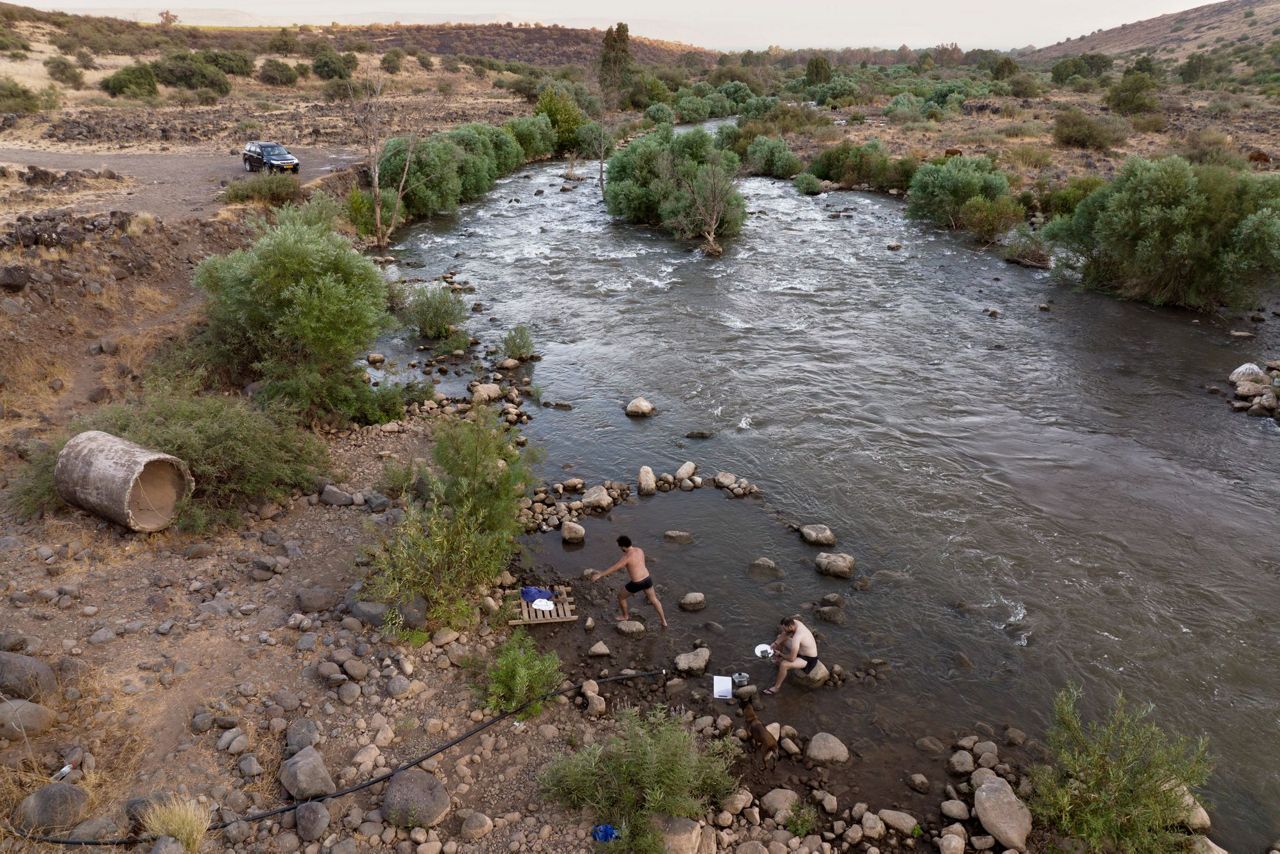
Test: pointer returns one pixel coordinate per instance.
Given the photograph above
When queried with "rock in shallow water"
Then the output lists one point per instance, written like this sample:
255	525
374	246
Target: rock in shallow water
1002	813
818	535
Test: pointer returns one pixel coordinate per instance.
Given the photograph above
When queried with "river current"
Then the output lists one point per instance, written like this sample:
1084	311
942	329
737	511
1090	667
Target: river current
1039	497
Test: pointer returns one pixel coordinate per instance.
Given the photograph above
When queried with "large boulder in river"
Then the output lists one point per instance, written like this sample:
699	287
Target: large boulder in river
20	719
764	569
648	484
1002	813
686	471
26	678
825	749
693	663
486	393
640	408
572	532
725	480
415	798
596	498
56	806
1249	373
818	535
835	565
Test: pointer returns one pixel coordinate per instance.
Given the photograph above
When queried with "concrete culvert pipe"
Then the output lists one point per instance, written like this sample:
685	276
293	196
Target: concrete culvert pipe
122	481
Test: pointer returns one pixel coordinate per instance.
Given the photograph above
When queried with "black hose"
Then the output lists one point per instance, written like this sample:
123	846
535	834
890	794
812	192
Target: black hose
386	775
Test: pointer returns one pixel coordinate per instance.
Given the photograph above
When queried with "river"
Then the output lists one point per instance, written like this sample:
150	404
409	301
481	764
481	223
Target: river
1039	497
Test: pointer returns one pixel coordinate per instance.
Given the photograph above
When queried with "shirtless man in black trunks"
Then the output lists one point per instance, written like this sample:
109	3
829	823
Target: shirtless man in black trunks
641	580
795	649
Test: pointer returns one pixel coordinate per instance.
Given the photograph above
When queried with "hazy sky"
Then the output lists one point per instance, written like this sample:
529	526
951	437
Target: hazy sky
723	24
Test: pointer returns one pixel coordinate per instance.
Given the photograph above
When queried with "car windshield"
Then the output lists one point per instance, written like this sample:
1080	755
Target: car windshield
273	149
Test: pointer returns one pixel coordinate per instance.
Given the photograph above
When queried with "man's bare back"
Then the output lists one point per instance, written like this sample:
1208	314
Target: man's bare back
641	582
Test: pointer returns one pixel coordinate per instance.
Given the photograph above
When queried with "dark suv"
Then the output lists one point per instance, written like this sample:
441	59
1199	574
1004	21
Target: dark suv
270	156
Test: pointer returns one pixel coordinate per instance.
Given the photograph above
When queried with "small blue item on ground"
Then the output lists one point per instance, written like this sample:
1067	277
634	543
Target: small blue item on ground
604	833
531	594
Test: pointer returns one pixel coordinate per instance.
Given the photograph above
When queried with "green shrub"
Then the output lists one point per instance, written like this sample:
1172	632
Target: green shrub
294	310
236	451
16	98
1024	85
1073	127
84	59
1133	93
461	543
564	114
11	42
808	184
682	183
653	767
692	109
328	64
63	71
905	107
273	190
989	219
519	674
939	191
849	165
132	81
1062	201
1211	148
276	73
770	156
424	60
802	821
1029	248
434	311
536	136
477	166
189	71
432	185
393	61
660	114
234	62
1167	232
1117	784
360	210
518	342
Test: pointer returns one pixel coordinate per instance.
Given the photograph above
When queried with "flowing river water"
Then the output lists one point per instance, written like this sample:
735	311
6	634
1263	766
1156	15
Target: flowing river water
1038	498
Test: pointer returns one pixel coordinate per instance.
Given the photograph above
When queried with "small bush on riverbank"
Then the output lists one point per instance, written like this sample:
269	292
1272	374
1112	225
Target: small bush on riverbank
851	165
466	535
360	211
682	183
653	767
1167	232
272	190
519	674
236	451
535	134
434	311
989	219
808	184
1075	128
660	114
939	191
294	310
518	342
770	156
1115	785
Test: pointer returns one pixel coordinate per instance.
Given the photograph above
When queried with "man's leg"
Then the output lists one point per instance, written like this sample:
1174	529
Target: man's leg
652	596
623	596
784	667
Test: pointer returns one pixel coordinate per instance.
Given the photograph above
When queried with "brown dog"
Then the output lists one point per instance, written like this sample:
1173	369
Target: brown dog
760	735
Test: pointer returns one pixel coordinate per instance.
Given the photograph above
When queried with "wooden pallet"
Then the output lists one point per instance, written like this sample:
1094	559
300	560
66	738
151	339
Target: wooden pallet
564	612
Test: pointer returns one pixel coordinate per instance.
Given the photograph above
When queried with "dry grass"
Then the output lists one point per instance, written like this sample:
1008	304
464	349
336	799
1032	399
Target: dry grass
269	752
184	820
116	748
141	224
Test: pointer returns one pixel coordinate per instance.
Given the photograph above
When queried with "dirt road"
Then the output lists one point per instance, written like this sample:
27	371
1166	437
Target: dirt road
172	185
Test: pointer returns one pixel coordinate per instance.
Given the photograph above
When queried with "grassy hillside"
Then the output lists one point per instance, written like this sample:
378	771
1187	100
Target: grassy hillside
534	44
1177	35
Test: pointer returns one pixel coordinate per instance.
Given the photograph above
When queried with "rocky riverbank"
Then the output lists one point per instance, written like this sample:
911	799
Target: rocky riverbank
1256	388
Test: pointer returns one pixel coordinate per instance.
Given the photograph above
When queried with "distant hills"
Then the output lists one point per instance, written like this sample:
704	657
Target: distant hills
537	44
1178	34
